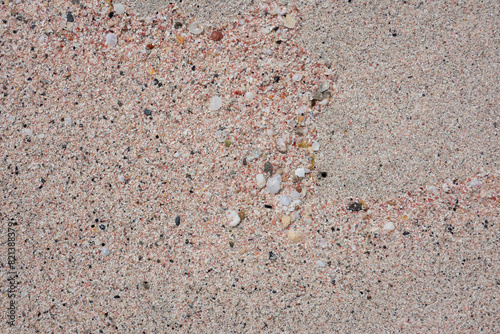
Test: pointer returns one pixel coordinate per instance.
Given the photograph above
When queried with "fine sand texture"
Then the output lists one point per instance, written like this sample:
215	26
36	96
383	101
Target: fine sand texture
249	166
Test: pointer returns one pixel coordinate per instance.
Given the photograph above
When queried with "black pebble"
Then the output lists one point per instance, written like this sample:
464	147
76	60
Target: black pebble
272	257
177	25
147	112
324	174
177	221
244	161
355	207
102	227
69	17
276	79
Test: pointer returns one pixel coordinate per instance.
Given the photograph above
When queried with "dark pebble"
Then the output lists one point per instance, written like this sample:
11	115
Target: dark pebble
147	112
102	227
355	207
268	167
272	256
177	25
177	221
69	17
245	162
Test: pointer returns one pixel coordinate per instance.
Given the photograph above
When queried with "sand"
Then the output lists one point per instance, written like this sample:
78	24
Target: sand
117	177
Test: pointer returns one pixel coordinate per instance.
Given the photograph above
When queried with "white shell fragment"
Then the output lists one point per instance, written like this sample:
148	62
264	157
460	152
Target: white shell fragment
105	251
234	218
389	226
111	39
315	146
215	103
119	8
289	21
195	28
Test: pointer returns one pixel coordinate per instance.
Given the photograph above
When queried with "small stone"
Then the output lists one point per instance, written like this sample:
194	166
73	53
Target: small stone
389	226
285	200
323	87
354	207
119	8
285	220
227	143
320	264
295	236
111	39
268	167
105	251
69	121
274	184
249	96
315	146
216	36
242	215
289	21
177	221
295	194
474	183
70	17
221	136
121	178
261	181
272	256
177	25
234	218
281	146
300	172
297	77
147	112
215	103
195	28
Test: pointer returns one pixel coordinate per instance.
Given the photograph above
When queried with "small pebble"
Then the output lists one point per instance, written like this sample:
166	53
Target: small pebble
289	21
147	112
323	87
320	264
272	256
177	221
121	178
234	218
70	17
111	39
285	220
216	36
274	184
389	226
249	96
215	103
195	28
105	251
295	236
119	8
285	200
295	194
227	143
268	167
261	181
300	172
315	146
296	77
